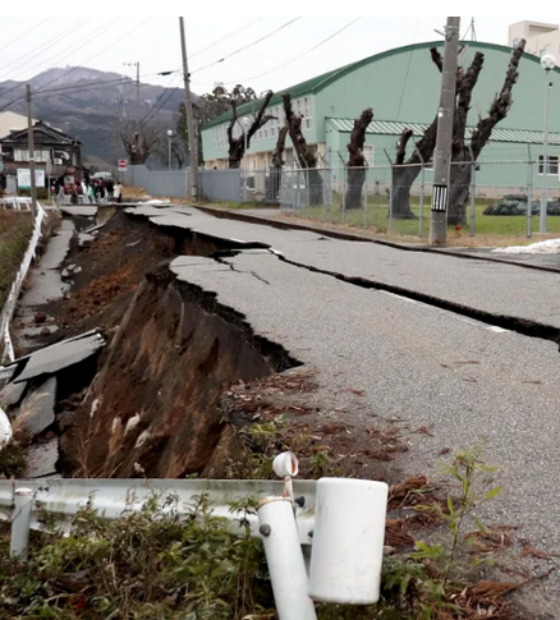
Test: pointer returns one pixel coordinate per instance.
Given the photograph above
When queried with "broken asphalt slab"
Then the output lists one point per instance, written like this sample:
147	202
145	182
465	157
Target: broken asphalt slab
36	412
41	459
86	211
52	359
512	297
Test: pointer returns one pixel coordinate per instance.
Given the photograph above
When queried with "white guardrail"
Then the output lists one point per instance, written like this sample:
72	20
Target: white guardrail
339	523
10	304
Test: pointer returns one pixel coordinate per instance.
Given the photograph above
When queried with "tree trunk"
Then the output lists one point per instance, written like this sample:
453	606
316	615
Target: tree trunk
274	181
306	158
459	189
356	178
357	164
402	180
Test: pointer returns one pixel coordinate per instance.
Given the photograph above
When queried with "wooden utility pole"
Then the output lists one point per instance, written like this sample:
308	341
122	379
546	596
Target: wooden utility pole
442	157
31	148
193	140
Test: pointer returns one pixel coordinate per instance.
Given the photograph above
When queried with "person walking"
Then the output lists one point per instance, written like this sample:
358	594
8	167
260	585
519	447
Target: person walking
90	193
110	186
117	192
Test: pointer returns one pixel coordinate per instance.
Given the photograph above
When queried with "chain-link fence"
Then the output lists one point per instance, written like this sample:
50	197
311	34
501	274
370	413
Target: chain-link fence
485	197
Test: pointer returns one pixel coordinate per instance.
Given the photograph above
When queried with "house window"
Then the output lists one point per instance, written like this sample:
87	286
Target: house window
552	165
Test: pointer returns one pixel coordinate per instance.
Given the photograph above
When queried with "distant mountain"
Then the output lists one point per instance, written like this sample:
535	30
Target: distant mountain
91	105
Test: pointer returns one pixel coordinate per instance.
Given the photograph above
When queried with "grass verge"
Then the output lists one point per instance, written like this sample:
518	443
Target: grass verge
15	232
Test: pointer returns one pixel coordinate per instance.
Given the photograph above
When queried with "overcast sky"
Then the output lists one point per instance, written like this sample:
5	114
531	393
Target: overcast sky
31	45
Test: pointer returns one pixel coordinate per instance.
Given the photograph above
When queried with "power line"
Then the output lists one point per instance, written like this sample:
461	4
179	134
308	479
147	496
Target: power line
163	99
245	47
311	49
49	60
37	51
98	53
408	68
24	34
6	106
228	36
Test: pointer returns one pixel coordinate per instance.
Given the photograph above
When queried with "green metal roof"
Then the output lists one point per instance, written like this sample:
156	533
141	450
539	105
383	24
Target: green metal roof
319	82
391	128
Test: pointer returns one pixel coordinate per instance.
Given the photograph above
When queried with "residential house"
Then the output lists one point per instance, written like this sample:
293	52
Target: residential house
58	157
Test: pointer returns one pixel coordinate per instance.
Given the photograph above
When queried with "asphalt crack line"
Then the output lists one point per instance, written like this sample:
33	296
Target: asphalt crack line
525	327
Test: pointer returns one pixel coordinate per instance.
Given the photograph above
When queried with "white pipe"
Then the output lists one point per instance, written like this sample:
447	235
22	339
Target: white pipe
347	551
285	560
21	523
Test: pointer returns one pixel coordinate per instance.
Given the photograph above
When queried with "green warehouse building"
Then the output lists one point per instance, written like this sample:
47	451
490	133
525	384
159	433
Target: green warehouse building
402	86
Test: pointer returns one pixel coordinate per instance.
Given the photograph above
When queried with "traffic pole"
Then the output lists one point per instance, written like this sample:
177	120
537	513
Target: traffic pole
193	140
446	110
31	146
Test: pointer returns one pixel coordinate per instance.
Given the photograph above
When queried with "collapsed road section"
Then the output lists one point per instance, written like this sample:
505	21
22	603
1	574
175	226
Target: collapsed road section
190	305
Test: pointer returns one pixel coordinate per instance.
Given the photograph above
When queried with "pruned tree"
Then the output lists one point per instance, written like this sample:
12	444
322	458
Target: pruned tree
357	164
274	180
139	143
307	158
237	145
209	106
463	155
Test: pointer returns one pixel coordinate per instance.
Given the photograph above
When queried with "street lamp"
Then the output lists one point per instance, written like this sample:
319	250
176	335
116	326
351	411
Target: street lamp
548	62
170	136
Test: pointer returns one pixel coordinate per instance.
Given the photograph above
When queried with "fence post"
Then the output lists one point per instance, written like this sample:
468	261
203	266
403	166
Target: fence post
529	194
365	203
344	182
390	192
473	191
422	185
21	523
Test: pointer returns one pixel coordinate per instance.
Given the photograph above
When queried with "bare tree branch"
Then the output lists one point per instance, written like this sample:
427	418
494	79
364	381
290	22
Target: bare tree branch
278	154
237	145
357	139
500	105
465	87
401	146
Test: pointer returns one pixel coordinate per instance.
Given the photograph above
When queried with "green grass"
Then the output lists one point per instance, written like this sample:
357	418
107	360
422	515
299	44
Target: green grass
15	232
376	219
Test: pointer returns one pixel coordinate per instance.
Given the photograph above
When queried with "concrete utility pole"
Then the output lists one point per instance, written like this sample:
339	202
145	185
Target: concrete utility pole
31	148
193	141
137	65
446	110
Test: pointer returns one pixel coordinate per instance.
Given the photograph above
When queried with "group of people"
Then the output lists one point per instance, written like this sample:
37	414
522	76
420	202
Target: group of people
96	190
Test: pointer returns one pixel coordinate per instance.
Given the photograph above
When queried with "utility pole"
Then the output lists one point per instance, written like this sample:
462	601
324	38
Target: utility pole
193	140
31	148
442	158
137	65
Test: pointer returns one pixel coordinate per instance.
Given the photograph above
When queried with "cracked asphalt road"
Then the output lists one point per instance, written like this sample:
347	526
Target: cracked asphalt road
466	381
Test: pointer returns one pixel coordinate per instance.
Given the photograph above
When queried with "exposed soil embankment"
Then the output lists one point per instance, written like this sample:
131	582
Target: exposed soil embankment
153	407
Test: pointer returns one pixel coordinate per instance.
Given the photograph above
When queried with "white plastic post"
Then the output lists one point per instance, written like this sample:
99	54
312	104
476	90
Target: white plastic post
347	550
21	523
285	560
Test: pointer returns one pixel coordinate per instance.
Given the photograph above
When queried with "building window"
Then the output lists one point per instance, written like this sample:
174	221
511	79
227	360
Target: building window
368	154
552	167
